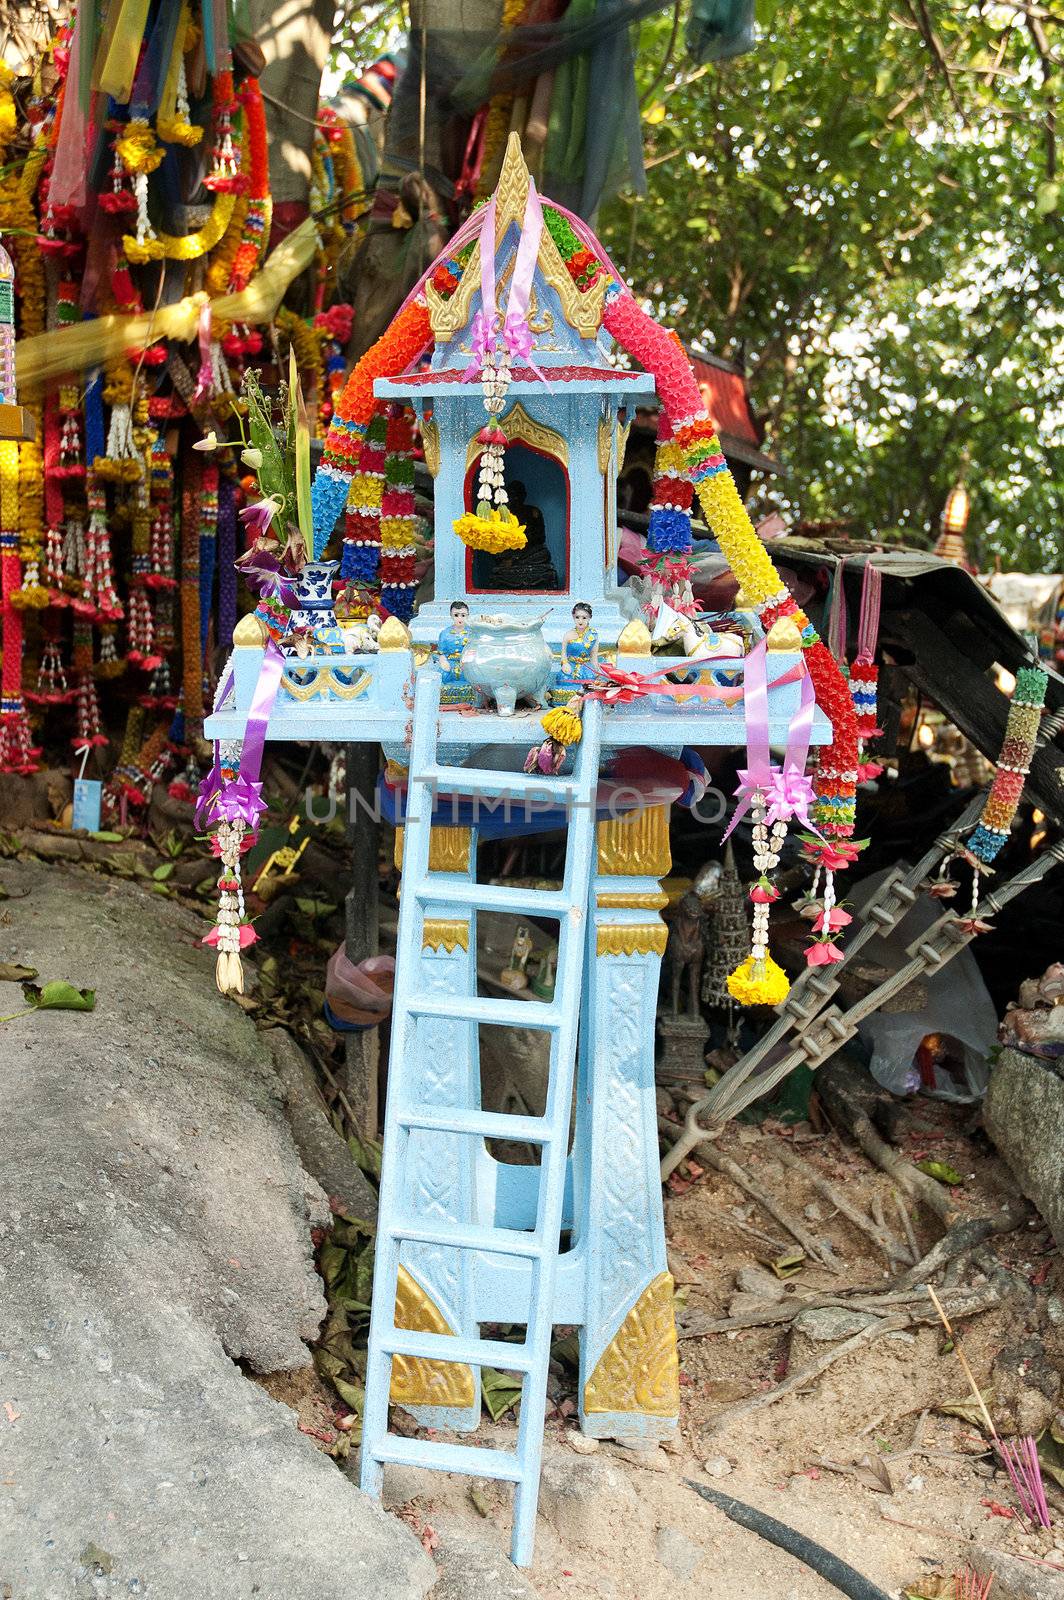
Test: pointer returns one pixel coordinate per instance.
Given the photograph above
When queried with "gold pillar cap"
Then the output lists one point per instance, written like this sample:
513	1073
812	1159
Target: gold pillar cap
394	635
634	639
250	632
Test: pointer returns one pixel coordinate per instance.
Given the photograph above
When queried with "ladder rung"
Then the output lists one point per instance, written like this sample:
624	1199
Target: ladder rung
498	785
488	1124
474	1460
478	1008
468	1236
451	1347
497	897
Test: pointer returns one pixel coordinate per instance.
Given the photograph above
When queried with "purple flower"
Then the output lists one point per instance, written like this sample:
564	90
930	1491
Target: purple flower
258	518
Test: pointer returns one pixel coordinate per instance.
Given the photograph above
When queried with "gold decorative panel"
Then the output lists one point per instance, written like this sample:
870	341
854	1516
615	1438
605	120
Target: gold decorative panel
448	849
416	1381
632	939
520	428
605	443
324	683
637	845
654	900
441	933
639	1370
430	444
394	635
634	639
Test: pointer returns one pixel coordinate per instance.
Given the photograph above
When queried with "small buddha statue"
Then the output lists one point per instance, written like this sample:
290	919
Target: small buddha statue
530	567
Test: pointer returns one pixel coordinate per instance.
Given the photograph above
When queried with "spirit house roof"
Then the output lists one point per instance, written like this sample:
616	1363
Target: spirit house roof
568	346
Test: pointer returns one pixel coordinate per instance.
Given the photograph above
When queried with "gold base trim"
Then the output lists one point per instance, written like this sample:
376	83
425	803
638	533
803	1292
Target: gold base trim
443	934
655	900
636	846
415	1380
448	849
639	1369
632	939
430	444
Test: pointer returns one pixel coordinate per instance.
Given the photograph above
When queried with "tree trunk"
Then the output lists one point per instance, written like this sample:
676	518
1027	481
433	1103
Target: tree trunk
295	39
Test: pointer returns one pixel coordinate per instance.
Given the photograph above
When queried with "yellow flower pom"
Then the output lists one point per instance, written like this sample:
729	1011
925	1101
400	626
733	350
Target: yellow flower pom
493	531
137	147
565	726
758	983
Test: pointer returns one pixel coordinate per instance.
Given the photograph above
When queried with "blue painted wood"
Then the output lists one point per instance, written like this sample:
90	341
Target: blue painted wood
405	1119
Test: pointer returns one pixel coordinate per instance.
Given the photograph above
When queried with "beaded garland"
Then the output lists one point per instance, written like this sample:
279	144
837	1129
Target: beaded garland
1014	763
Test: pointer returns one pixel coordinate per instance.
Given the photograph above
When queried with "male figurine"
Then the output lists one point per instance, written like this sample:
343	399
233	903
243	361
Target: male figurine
455	689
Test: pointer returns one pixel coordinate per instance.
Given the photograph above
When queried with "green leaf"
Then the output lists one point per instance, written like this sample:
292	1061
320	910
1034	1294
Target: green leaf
162	873
59	996
1047	197
502	1391
302	454
941	1171
108	838
779	74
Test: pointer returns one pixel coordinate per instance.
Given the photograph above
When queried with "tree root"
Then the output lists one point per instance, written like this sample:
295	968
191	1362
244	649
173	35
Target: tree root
708	1155
978	1300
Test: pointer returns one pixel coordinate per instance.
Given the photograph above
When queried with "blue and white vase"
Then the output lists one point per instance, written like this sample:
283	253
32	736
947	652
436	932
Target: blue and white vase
314	612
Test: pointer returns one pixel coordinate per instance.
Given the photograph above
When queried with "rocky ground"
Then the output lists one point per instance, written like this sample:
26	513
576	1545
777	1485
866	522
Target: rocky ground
155	1248
162	1431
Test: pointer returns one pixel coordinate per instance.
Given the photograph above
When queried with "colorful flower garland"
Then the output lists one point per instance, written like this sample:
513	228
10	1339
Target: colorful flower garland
1014	763
398	519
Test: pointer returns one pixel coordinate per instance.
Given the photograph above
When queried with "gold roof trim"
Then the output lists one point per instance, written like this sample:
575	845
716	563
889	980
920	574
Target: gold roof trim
582	311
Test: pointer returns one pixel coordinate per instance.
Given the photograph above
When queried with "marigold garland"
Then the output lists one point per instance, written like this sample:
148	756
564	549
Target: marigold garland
758	983
493	531
184	246
402	343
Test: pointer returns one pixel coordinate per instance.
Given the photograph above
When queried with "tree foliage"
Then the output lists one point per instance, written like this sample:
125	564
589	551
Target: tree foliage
868	207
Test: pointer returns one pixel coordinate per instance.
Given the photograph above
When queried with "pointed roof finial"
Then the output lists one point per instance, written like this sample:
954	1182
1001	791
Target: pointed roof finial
511	194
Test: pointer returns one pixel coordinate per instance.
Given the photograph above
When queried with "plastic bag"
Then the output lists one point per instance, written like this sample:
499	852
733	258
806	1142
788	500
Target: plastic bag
956	1006
359	993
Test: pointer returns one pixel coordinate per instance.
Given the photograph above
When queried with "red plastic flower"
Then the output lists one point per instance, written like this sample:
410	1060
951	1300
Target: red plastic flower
822	953
831	921
763	894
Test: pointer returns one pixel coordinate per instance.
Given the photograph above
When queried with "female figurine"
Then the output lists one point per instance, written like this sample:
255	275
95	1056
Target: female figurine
579	664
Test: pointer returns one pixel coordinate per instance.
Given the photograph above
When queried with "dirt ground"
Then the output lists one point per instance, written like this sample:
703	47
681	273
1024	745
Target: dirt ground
859	1460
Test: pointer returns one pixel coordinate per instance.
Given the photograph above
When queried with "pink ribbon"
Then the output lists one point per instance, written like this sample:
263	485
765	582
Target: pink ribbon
240	799
788	792
516	333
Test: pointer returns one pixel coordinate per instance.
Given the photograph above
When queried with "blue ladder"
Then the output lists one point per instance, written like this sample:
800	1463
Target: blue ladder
560	1018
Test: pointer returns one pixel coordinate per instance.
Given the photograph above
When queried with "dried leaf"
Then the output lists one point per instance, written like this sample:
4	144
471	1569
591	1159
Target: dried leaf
480	1502
11	972
873	1473
502	1391
936	1586
787	1265
968	1409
